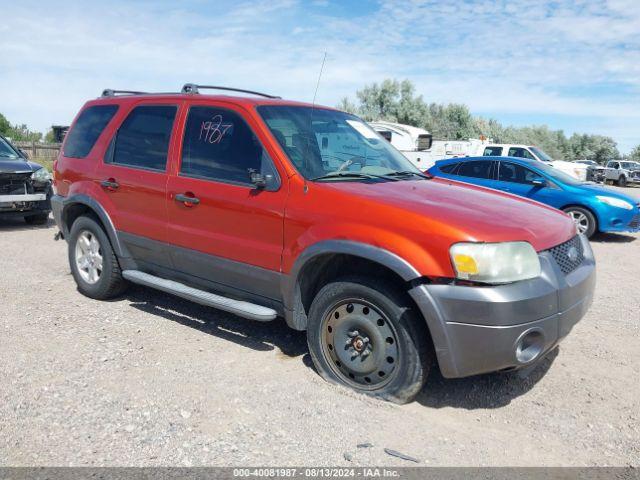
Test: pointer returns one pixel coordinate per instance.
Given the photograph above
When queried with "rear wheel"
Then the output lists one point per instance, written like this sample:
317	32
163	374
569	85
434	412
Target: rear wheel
622	181
39	219
584	220
93	262
365	334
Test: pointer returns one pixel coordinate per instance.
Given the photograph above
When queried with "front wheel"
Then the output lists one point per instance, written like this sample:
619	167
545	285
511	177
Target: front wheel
584	220
622	181
365	334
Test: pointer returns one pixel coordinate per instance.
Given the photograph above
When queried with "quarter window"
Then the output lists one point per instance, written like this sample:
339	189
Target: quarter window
480	169
511	172
449	168
219	145
84	134
142	141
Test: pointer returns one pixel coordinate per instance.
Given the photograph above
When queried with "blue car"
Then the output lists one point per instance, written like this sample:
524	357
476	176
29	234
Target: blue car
593	208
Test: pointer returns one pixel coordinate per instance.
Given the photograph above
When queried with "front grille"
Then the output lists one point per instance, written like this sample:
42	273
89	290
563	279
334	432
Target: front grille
14	184
561	254
635	222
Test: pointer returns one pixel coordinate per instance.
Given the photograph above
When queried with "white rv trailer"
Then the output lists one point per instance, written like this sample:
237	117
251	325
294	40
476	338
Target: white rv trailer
418	146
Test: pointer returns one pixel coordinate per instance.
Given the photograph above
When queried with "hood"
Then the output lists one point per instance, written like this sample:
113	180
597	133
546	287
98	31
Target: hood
594	189
17	165
469	212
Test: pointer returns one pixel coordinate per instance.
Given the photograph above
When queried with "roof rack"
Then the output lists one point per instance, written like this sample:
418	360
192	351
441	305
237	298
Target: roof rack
192	88
112	93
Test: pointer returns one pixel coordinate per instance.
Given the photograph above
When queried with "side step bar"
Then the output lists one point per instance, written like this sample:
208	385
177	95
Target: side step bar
238	307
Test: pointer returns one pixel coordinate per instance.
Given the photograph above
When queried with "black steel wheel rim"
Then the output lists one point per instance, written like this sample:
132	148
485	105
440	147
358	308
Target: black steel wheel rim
360	344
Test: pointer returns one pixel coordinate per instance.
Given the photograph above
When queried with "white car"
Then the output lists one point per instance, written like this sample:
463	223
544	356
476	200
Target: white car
531	152
622	172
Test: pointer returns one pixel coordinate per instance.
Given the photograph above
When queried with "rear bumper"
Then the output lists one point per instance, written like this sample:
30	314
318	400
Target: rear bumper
484	329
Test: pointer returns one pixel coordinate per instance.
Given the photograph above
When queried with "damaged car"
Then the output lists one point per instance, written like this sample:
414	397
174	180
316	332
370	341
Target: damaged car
25	186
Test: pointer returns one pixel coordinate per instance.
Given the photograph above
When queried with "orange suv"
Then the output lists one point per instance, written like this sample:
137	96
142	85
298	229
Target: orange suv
270	208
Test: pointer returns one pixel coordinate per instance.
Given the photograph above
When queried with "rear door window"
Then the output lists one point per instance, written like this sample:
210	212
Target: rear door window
219	145
478	169
142	141
492	152
511	172
85	132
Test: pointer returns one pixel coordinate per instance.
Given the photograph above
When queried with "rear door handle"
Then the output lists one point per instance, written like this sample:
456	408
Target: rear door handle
110	184
187	198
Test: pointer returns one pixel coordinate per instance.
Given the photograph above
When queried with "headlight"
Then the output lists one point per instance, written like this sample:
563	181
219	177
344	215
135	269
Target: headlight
615	202
495	262
42	175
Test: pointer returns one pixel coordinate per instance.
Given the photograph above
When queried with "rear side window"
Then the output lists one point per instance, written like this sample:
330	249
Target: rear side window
219	145
492	152
481	169
143	138
90	124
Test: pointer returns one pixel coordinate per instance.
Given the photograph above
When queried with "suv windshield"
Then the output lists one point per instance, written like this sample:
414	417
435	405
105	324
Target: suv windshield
541	155
333	145
7	151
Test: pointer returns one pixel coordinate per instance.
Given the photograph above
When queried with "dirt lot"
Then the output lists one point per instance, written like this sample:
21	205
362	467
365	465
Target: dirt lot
149	379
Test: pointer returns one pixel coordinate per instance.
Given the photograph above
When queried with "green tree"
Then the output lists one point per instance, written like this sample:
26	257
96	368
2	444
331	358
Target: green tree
49	137
397	101
5	126
635	154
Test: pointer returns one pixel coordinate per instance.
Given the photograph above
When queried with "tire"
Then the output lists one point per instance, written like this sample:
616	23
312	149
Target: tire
370	313
586	221
622	181
109	282
39	219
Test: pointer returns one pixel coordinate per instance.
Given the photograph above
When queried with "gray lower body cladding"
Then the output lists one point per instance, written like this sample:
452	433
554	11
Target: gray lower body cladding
477	329
474	329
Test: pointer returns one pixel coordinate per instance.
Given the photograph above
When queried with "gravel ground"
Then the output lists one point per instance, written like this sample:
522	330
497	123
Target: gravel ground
149	379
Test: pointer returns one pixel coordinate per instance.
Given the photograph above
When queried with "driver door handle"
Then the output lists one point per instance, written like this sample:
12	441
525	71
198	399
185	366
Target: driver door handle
188	200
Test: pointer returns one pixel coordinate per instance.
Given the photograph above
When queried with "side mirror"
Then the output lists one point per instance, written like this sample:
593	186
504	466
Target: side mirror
23	153
539	182
259	180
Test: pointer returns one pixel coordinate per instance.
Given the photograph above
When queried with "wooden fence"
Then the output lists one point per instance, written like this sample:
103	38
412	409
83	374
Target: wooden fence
42	151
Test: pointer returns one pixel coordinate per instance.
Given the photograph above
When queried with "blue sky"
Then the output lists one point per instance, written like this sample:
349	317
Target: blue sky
573	65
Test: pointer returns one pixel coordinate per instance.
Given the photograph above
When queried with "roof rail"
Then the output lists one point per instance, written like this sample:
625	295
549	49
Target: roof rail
193	88
112	93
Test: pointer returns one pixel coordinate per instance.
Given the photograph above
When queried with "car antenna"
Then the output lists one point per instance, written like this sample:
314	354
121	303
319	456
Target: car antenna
313	104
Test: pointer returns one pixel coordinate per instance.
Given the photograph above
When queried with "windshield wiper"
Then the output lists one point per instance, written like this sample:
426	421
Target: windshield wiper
352	175
404	173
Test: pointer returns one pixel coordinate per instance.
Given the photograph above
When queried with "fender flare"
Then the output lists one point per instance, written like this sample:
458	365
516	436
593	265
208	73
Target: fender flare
80	199
289	287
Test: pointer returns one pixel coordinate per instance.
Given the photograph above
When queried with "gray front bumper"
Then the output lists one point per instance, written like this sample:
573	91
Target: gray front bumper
476	329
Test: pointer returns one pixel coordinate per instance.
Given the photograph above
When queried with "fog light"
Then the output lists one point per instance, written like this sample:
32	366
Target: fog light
529	346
